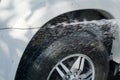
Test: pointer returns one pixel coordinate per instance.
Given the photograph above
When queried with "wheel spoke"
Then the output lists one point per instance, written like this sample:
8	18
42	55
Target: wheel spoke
78	65
65	68
60	72
82	64
75	65
88	75
89	78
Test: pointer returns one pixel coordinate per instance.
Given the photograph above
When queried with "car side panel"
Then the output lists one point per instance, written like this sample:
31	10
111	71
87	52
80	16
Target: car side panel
19	16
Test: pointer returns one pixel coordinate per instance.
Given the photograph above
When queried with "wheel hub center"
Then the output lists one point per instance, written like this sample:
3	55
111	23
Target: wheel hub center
72	76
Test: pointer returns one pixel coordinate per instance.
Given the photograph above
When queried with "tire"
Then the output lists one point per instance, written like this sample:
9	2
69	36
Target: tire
82	43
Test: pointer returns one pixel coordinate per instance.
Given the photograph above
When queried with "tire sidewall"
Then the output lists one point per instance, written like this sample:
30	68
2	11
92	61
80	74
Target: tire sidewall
75	45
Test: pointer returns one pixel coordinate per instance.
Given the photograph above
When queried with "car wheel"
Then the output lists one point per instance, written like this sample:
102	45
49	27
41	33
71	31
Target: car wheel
78	56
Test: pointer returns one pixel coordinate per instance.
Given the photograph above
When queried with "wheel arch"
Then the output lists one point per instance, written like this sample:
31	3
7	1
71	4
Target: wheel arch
104	14
34	42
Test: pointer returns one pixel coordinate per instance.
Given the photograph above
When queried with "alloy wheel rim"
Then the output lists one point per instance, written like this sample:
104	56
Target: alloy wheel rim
73	67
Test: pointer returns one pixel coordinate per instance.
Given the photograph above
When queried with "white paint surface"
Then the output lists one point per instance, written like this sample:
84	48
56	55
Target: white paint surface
34	13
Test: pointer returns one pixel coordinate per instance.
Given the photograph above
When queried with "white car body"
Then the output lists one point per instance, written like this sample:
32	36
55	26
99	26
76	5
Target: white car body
25	14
